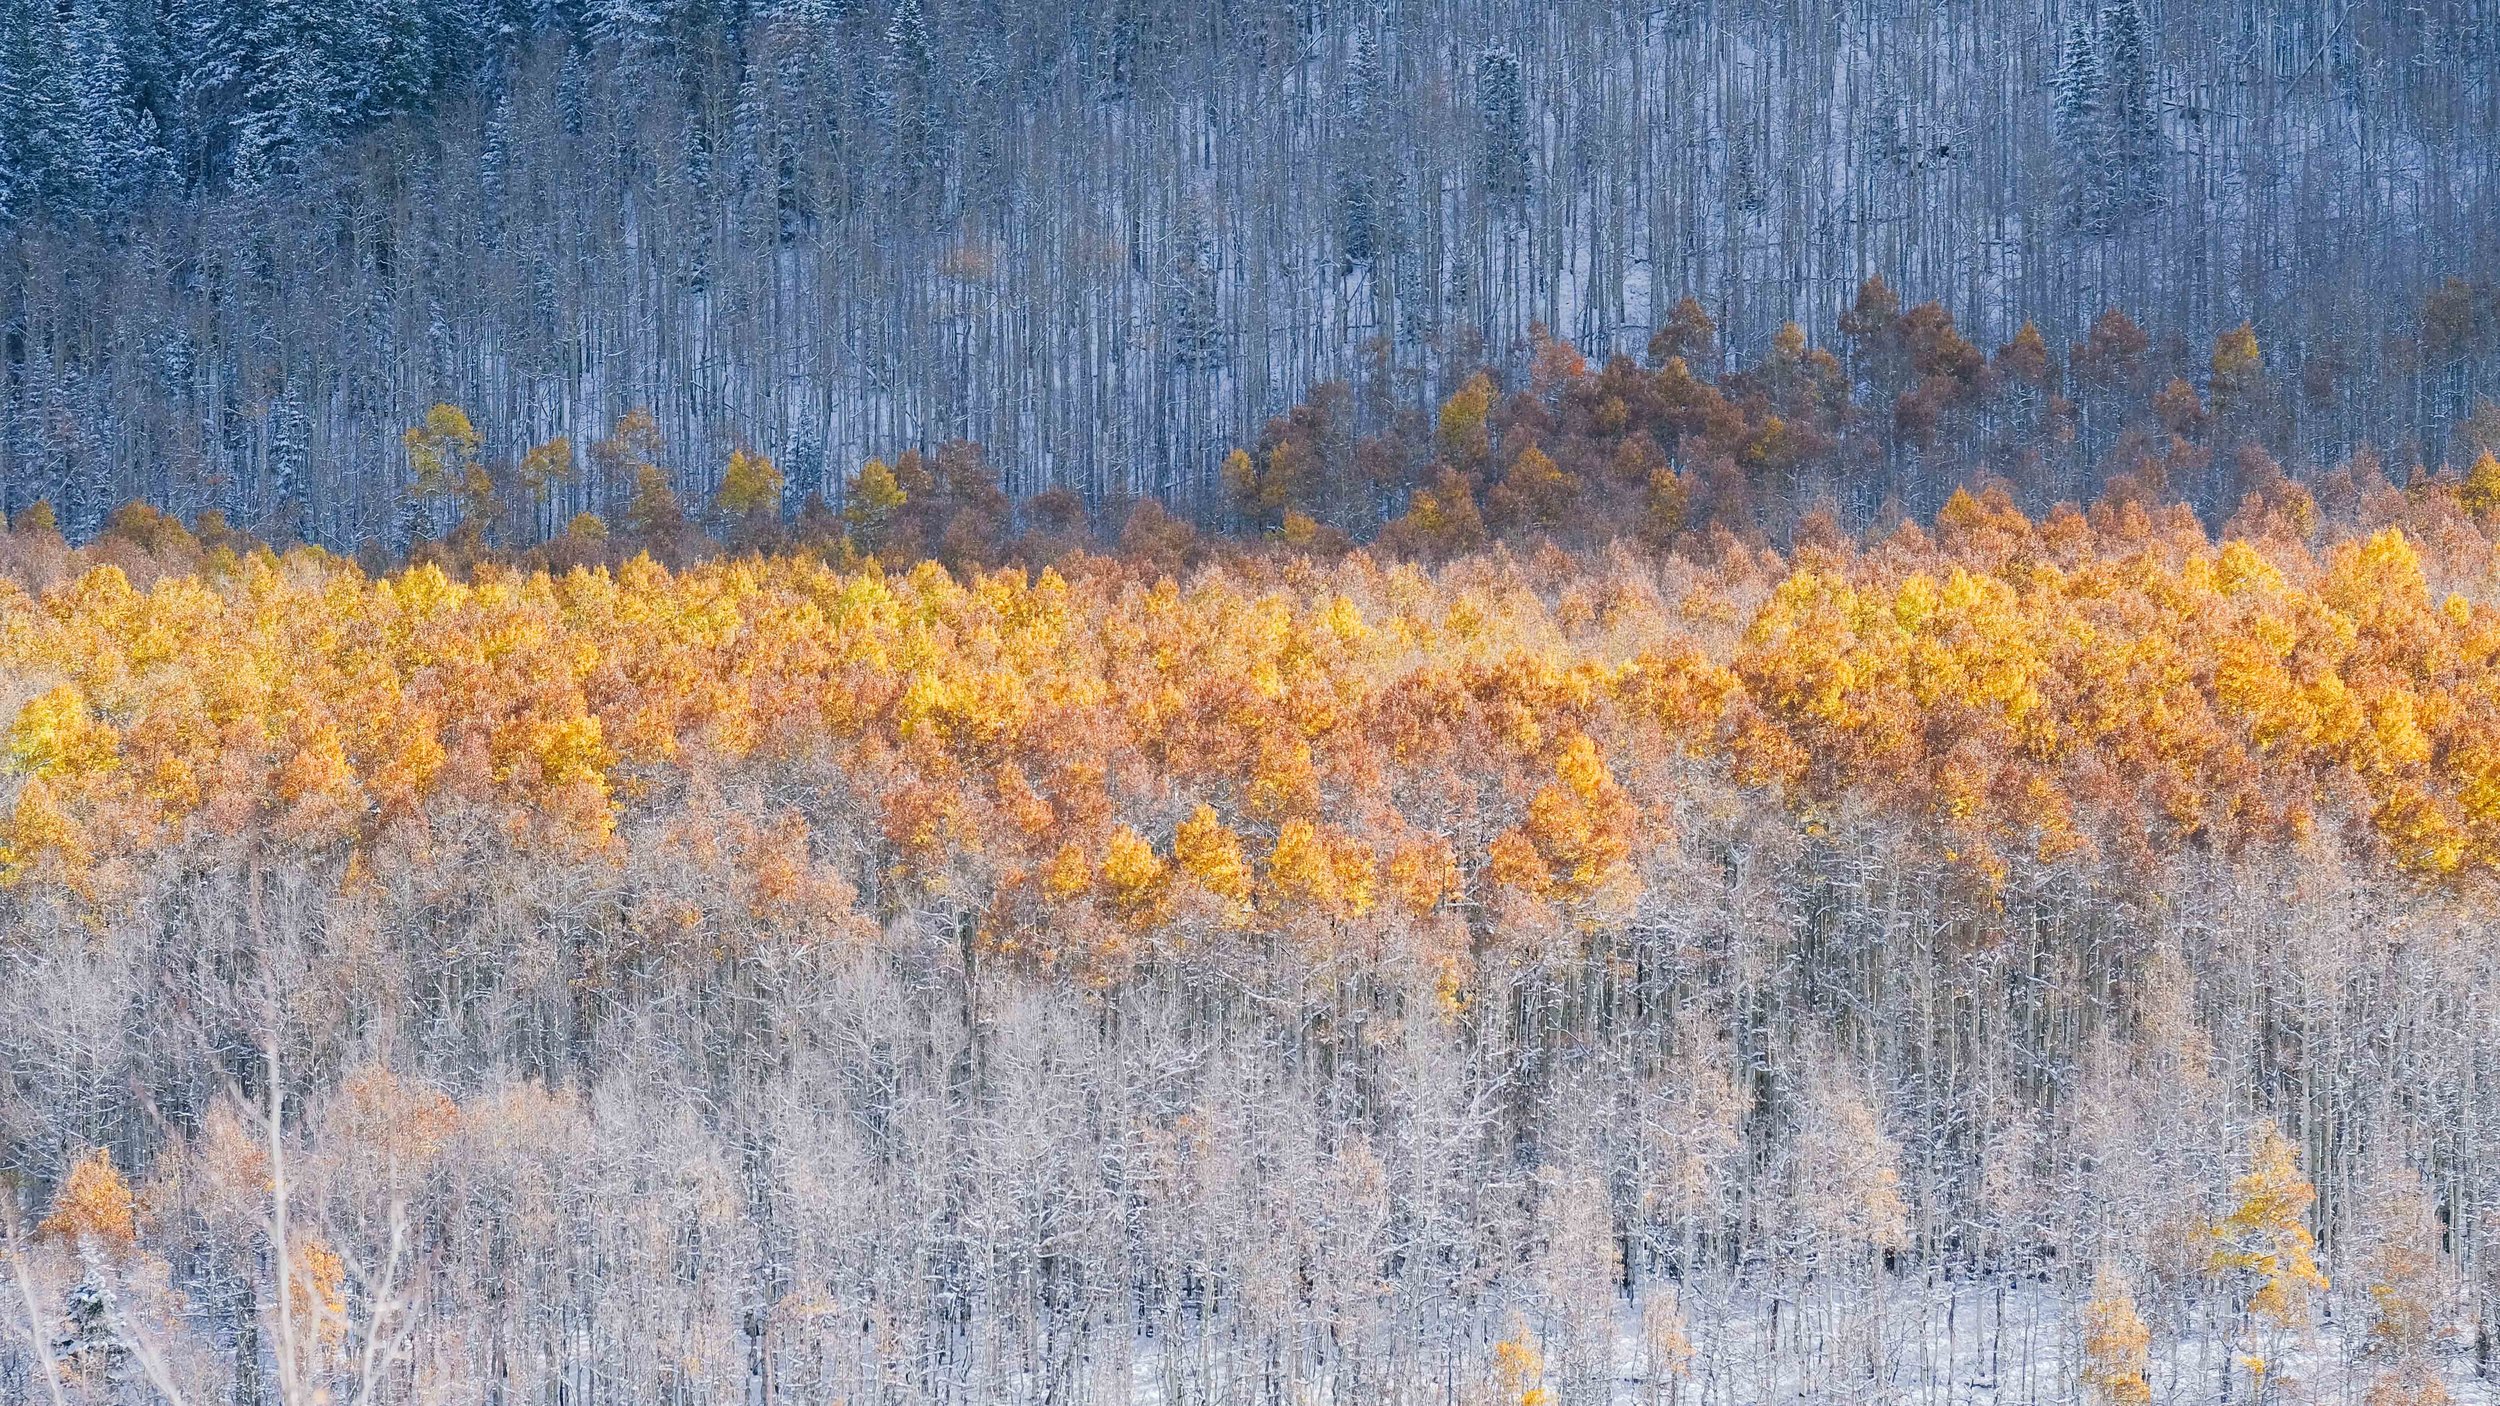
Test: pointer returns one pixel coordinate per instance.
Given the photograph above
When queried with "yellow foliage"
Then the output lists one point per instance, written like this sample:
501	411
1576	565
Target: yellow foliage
1422	873
1298	867
442	449
572	750
872	497
2410	1383
653	510
1519	1369
548	464
1665	1344
1133	877
1210	854
2238	367
2264	1243
1407	736
752	484
1069	874
39	826
93	1206
317	1290
385	1117
1460	431
1578	831
1241	478
2479	494
58	733
2115	1347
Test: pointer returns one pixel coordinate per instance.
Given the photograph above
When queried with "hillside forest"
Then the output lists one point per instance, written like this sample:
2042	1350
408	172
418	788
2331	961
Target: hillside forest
754	702
244	243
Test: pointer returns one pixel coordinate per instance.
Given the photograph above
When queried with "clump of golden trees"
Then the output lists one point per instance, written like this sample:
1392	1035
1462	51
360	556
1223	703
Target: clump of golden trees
1083	756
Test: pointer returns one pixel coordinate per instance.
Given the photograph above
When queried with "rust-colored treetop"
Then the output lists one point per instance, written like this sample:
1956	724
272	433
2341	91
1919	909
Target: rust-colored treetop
1281	742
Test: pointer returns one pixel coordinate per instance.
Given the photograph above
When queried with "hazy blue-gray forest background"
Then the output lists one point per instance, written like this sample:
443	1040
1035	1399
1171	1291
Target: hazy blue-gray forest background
243	243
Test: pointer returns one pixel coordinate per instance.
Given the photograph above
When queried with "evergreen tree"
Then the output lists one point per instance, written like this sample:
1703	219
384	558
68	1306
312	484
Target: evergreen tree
2080	93
73	139
494	158
20	122
909	103
1744	176
394	71
298	87
637	26
1502	118
2132	113
206	84
1358	192
122	142
290	465
1196	331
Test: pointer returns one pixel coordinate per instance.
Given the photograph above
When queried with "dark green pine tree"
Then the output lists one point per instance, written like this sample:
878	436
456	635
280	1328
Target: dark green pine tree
2133	112
910	106
1502	123
2082	178
1358	187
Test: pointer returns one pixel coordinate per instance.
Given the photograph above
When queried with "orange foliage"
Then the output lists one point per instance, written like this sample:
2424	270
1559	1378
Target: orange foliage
1288	737
94	1205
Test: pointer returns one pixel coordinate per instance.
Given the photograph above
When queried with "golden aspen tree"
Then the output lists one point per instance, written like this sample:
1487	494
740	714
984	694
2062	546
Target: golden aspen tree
2479	493
1688	333
1134	878
94	1206
1440	520
1534	492
58	733
1666	505
543	466
2264	1251
318	1291
1069	874
1240	477
1519	1369
653	513
2116	1359
1211	855
1578	831
2239	369
869	502
1666	1348
750	486
1423	872
1461	433
442	450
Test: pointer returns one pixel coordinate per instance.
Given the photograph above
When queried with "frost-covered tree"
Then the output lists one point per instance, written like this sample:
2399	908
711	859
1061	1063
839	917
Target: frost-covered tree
2082	174
1502	126
911	107
2132	111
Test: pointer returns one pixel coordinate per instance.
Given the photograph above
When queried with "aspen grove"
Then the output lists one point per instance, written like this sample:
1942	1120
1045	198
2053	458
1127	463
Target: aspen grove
2004	958
1263	703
